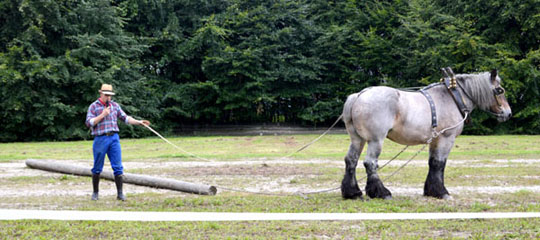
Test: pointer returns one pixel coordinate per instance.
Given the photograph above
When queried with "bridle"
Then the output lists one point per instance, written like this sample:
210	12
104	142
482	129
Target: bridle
452	85
498	94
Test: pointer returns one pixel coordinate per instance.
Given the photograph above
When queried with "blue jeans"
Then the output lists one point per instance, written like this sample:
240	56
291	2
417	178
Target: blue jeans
109	145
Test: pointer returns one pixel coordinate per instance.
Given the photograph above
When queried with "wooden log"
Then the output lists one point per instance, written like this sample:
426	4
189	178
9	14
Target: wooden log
136	179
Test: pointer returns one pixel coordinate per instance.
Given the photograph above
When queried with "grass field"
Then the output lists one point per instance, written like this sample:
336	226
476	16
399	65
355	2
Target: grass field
484	174
234	148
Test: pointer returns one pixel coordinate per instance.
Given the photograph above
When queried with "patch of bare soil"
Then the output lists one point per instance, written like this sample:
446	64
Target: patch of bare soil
260	175
249	170
291	141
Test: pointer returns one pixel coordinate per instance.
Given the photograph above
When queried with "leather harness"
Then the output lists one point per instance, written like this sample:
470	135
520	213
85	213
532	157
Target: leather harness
451	86
431	104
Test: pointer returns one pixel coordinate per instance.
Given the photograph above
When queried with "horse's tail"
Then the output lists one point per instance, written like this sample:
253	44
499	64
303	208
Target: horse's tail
347	108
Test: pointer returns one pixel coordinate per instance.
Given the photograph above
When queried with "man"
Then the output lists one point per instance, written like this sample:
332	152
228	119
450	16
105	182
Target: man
102	118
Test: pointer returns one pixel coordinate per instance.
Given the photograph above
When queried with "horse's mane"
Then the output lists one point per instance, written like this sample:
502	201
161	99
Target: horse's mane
479	87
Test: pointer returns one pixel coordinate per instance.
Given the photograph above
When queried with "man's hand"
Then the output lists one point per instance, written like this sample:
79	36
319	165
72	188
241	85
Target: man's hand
106	111
145	122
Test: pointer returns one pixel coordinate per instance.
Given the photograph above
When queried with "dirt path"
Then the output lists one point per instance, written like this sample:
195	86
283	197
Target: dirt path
275	178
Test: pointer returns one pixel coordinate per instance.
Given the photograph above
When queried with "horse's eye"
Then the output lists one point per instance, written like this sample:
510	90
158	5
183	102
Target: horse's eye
498	90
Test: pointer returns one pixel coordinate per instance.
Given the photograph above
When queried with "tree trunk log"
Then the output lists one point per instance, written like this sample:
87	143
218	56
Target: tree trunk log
136	179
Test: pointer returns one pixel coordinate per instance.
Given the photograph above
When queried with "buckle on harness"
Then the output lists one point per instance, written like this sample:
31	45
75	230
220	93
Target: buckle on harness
452	82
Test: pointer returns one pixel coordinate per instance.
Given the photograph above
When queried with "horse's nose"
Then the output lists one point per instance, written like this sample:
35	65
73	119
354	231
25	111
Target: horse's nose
509	115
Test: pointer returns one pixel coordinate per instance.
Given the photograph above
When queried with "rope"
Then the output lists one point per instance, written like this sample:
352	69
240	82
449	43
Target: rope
304	194
316	139
177	147
405	164
208	160
435	134
389	161
301	194
448	128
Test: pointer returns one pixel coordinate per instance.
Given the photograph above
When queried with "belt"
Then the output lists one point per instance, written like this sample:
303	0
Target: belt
107	134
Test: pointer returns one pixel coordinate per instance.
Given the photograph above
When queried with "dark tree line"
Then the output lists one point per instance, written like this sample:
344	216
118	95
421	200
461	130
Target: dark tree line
230	61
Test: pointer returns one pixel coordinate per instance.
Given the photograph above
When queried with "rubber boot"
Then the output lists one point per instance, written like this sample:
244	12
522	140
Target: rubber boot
119	182
95	184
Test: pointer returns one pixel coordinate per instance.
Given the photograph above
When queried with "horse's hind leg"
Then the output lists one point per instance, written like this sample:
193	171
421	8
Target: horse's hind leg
374	186
349	185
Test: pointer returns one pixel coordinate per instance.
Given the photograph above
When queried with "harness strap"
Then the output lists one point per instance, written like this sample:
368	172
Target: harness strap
456	95
432	106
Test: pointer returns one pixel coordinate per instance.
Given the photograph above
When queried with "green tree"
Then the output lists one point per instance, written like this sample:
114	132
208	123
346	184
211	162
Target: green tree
510	29
266	68
232	61
51	70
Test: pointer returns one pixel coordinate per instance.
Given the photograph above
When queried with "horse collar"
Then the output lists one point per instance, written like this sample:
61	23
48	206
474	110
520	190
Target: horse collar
451	85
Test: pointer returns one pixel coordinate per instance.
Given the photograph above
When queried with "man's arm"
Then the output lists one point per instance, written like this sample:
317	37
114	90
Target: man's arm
100	117
134	121
129	120
92	119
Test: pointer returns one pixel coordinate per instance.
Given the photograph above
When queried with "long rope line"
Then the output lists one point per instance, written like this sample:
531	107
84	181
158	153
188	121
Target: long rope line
208	160
302	194
434	135
316	139
336	188
177	147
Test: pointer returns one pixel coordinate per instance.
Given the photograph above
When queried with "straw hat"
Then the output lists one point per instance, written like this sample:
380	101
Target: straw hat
107	89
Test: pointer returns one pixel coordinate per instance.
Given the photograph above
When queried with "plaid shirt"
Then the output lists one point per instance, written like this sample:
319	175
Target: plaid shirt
110	122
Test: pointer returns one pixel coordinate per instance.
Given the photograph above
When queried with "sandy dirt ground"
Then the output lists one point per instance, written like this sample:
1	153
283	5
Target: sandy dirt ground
258	175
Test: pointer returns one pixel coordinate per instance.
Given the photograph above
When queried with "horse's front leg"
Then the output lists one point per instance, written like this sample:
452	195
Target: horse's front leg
349	185
438	154
374	186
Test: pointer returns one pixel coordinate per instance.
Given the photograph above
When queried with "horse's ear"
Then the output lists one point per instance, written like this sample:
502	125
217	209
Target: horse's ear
450	72
444	73
493	76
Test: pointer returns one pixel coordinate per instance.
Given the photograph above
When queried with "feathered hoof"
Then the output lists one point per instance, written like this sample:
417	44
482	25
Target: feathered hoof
436	191
351	192
376	189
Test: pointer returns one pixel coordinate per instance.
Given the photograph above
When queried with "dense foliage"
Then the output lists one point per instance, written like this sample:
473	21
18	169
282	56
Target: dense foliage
181	62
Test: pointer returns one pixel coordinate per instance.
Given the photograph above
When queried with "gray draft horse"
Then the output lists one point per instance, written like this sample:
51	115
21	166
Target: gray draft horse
405	117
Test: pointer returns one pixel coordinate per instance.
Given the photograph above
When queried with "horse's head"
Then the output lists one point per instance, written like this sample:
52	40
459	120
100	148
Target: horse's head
499	107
